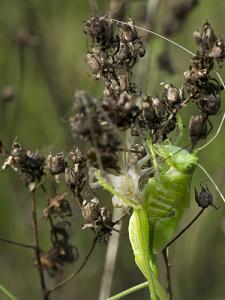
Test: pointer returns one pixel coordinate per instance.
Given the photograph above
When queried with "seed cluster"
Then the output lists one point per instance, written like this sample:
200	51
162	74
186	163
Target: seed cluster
201	86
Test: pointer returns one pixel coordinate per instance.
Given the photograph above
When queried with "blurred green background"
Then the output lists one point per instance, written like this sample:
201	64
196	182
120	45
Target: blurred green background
43	79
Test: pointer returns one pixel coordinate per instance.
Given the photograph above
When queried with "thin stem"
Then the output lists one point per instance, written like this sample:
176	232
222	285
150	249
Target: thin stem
168	275
215	136
110	258
17	243
185	228
129	291
37	248
71	276
213	182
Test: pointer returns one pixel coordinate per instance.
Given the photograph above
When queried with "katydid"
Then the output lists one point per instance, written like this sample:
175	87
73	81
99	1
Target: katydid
158	208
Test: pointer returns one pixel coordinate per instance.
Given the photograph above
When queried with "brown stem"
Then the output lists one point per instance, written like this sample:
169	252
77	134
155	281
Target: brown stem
185	228
37	248
49	217
71	276
168	275
17	243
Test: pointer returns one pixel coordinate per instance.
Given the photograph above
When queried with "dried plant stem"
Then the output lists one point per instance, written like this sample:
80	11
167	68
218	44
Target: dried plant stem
71	276
17	243
37	248
168	275
110	260
185	228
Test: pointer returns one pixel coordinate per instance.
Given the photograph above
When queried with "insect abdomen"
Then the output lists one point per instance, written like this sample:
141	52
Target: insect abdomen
165	199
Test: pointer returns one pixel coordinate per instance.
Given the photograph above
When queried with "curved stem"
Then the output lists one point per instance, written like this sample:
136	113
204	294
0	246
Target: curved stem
185	228
71	276
129	291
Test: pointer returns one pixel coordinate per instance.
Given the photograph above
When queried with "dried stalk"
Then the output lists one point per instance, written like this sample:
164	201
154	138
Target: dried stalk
17	243
37	248
71	276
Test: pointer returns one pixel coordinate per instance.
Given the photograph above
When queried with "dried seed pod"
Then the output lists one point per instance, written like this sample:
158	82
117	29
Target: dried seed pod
210	104
197	128
58	207
77	157
56	163
168	126
172	93
208	43
100	30
106	216
94	64
204	198
128	31
90	210
30	166
74	178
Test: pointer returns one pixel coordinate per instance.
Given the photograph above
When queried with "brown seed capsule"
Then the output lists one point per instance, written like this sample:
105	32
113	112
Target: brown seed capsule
197	128
129	32
70	177
204	198
58	206
93	63
56	163
172	93
210	104
77	157
90	210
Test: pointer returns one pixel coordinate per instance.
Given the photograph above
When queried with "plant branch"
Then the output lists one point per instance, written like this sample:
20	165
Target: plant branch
71	276
185	228
37	248
168	275
17	243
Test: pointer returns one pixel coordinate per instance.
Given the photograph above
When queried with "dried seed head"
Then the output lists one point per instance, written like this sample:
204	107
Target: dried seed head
93	63
208	43
77	157
128	32
90	210
172	93
58	207
56	163
210	104
106	216
204	198
100	30
30	166
197	128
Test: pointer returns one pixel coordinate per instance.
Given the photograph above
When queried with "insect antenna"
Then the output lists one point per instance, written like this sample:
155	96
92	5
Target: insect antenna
213	182
214	137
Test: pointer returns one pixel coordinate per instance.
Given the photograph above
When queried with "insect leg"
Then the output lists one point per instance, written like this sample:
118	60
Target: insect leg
109	188
180	128
153	155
